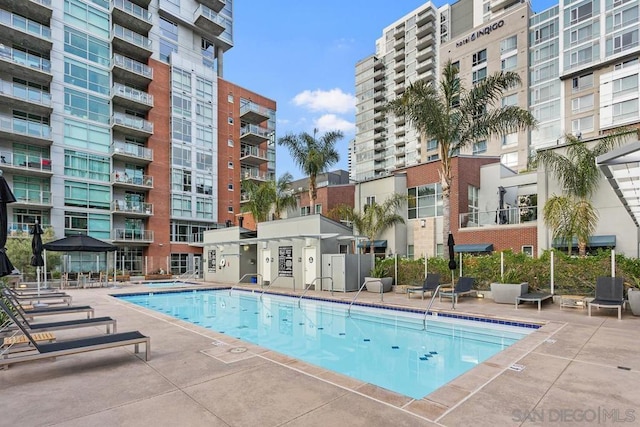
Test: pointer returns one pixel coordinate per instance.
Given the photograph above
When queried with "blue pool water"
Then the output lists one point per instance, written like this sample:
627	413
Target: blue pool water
166	284
388	348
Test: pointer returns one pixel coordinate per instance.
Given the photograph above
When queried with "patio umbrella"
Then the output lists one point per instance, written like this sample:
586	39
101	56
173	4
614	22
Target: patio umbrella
6	196
502	216
36	249
452	264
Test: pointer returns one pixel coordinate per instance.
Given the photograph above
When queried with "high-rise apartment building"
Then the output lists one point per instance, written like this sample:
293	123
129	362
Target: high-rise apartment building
110	125
578	62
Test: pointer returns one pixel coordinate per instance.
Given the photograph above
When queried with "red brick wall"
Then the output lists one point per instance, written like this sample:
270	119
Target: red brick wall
502	237
330	197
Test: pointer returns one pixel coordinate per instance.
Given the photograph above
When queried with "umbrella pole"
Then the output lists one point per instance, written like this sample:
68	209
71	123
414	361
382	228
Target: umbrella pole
45	269
453	294
38	279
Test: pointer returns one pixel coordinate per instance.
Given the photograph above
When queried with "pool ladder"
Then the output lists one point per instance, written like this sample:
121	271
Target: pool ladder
257	276
360	290
274	281
313	283
433	297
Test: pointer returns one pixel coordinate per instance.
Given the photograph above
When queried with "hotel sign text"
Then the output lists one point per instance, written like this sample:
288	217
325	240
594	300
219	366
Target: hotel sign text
481	32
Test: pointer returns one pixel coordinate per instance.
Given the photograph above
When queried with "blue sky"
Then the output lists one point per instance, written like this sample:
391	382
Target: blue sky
302	54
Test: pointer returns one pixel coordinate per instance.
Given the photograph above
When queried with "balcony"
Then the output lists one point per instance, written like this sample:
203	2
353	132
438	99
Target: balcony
40	10
425	54
131	153
254	135
125	235
400	76
130	43
423	30
21	130
21	229
379	125
23	164
380	136
129	97
130	15
399	88
426	42
254	175
498	5
122	180
400	162
254	113
378	106
131	125
131	71
424	66
244	198
379	95
525	215
400	131
425	17
32	199
378	65
379	146
209	21
25	98
24	32
29	66
215	5
379	83
400	141
252	155
129	208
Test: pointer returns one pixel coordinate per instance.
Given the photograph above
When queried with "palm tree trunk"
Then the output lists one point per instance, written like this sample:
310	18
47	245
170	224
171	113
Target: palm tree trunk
313	193
582	248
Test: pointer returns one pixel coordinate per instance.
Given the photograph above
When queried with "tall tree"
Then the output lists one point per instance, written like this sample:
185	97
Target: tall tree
571	214
260	199
375	219
313	155
284	196
457	117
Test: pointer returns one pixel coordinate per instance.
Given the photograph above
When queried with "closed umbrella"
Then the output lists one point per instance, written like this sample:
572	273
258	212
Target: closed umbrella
452	265
6	196
36	249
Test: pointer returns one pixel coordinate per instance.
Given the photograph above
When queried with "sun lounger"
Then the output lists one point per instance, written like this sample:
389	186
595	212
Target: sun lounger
538	297
430	284
63	348
463	287
48	298
30	313
609	294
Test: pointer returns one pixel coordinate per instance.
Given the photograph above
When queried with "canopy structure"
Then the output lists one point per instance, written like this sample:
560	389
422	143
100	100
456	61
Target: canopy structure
474	247
621	167
376	244
79	243
603	241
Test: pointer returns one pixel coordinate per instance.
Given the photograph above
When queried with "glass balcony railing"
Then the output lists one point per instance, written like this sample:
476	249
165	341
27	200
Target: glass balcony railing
499	217
25	59
253	174
9	158
25	93
131	93
132	65
132	9
132	122
256	130
249	150
134	150
212	16
132	235
255	108
132	37
128	206
124	178
32	196
25	25
25	127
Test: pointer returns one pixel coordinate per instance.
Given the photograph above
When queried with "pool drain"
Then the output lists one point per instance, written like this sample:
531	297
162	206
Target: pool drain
238	350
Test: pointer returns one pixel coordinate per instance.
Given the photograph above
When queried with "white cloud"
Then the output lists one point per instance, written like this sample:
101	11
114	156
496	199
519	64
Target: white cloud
330	101
329	122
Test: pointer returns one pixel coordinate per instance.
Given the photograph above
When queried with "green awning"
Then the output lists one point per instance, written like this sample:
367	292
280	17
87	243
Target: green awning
604	241
376	244
474	247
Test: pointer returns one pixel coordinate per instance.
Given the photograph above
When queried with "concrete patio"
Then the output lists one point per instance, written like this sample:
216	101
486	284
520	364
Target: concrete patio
577	371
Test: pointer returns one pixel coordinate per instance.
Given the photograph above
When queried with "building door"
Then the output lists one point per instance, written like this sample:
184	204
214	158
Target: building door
196	266
310	263
266	265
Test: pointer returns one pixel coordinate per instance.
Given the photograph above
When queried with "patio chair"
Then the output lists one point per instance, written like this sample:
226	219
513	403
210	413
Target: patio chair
48	297
75	346
430	284
31	312
110	323
538	297
609	294
463	287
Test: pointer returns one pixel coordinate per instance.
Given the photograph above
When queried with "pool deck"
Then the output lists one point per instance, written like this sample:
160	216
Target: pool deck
577	370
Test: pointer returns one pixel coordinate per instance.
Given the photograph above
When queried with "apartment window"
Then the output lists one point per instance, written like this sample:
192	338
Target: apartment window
370	200
625	85
230	187
181	105
510	63
204	88
87	47
181	180
204	136
509	44
479	75
545	72
230	142
168	29
86	17
85	195
204	112
548	111
425	201
527	250
625	41
433	157
581	34
581	56
584	124
625	110
97	225
181	205
582	82
432	145
480	57
180	81
625	64
230	120
510	100
318	208
28	189
230	165
84	135
582	103
479	147
179	263
230	209
86	106
473	200
181	156
204	161
79	164
581	13
510	139
545	33
509	159
305	210
181	129
166	49
230	98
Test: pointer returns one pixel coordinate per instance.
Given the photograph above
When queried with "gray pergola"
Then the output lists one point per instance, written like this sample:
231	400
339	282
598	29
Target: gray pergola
621	167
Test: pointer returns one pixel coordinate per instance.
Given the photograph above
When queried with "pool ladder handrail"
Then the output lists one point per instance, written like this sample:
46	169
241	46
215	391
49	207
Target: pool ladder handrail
256	275
369	280
433	297
313	283
274	281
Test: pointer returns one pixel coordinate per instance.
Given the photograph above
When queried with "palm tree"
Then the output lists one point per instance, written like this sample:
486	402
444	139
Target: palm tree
313	156
457	117
284	197
572	214
375	219
260	199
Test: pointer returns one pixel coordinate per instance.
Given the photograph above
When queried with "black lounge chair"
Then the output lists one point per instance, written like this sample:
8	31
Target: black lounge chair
463	287
30	313
110	323
538	297
609	294
431	283
49	298
81	345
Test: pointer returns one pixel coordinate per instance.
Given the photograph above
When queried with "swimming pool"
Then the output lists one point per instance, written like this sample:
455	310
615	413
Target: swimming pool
385	347
167	284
